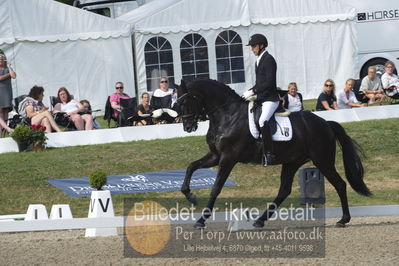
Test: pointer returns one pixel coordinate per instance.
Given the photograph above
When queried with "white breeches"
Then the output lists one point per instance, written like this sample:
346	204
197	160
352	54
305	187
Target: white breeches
268	109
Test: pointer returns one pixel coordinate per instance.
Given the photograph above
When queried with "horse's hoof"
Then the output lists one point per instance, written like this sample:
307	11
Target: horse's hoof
259	224
199	225
193	199
340	225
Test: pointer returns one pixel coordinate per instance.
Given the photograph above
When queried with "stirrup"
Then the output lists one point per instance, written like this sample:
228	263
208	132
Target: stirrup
268	158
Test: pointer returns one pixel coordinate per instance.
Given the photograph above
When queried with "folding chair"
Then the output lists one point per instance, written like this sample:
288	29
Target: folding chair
360	96
128	113
18	119
392	94
125	117
109	113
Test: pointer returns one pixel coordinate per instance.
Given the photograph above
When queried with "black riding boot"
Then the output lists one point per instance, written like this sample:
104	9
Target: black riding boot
268	151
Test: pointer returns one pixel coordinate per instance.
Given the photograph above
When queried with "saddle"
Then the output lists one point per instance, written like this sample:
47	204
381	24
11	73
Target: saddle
273	124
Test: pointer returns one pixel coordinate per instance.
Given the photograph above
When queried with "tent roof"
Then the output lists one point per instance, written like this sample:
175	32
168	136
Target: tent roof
164	16
50	21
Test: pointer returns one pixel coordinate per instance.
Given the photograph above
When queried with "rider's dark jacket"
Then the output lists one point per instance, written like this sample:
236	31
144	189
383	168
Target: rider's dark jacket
265	87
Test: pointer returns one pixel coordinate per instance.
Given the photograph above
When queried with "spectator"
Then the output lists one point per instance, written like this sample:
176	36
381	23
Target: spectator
164	90
87	109
32	107
3	125
6	74
347	98
72	108
293	100
327	99
371	85
390	81
144	108
116	97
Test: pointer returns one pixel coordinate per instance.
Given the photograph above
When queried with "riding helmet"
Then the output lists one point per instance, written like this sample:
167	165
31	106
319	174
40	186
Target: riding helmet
257	39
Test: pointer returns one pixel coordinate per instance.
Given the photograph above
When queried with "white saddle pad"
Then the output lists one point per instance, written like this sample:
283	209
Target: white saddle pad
284	128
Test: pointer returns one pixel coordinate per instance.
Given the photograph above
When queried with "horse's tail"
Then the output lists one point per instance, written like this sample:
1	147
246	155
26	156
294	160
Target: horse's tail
354	170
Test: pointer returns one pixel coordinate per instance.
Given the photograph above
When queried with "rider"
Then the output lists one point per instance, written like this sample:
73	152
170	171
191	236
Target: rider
266	91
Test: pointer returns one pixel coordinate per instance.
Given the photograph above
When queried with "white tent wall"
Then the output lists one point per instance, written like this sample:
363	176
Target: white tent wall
54	45
88	69
308	54
312	40
175	40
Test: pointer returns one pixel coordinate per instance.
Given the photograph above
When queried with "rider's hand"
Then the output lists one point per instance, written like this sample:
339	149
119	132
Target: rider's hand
248	94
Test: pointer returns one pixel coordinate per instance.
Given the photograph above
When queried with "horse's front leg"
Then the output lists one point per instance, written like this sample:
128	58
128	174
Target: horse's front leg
225	167
209	160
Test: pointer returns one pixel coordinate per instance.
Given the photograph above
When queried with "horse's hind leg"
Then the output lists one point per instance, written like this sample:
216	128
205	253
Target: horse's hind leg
287	176
329	171
209	160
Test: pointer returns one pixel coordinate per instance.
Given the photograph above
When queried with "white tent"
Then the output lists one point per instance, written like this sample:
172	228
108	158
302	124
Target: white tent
54	45
312	40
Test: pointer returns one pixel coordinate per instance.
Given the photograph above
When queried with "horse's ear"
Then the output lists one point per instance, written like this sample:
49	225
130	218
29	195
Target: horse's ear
182	89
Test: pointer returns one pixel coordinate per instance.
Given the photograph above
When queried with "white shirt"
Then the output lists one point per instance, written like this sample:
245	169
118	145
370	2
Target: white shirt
259	57
69	107
294	103
369	84
342	100
161	93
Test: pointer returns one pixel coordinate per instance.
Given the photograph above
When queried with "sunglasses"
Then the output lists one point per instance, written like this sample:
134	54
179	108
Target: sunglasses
328	85
119	88
164	81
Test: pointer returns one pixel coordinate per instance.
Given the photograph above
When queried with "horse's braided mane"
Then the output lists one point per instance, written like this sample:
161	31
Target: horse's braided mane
220	86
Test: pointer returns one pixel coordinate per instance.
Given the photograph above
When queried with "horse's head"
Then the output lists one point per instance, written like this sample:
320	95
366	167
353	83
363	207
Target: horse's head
189	107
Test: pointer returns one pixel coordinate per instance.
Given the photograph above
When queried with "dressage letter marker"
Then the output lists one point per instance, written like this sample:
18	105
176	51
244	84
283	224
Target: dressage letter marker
101	206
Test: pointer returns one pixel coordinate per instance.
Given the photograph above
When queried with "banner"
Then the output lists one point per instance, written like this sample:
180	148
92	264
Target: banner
141	182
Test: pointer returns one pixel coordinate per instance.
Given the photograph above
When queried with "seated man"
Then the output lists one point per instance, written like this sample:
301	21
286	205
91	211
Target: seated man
371	86
116	97
115	100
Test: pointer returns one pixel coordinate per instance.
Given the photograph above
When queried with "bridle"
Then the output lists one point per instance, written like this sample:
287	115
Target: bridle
199	105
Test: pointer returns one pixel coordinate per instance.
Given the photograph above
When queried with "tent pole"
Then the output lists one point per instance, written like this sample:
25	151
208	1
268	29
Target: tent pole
136	85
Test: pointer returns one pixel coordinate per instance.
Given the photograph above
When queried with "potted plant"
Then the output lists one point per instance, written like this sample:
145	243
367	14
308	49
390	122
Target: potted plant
97	179
29	136
38	136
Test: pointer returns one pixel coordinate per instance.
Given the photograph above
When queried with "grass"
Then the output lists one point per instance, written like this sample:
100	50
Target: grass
309	104
23	175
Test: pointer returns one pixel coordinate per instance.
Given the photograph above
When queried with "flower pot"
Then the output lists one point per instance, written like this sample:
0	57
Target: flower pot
38	147
24	146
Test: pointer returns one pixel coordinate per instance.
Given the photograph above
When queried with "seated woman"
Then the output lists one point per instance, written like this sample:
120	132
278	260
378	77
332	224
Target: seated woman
32	107
144	108
347	98
72	108
293	100
327	99
390	81
87	108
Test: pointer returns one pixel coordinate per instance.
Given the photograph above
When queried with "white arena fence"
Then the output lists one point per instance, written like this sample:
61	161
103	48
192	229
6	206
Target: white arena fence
124	134
8	224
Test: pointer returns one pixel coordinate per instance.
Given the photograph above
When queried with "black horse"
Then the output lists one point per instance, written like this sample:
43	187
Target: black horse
230	142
